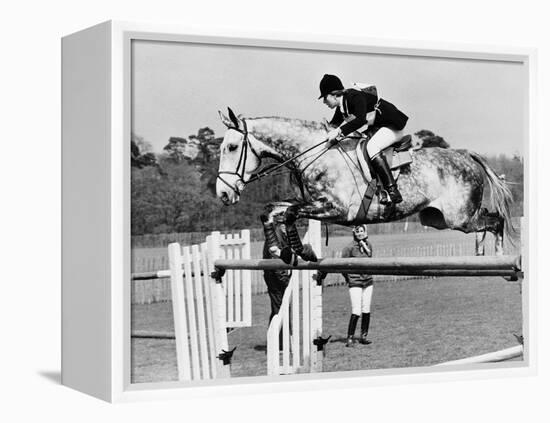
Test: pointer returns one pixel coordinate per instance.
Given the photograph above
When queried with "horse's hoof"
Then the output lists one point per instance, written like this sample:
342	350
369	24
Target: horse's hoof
308	254
286	255
275	251
290	216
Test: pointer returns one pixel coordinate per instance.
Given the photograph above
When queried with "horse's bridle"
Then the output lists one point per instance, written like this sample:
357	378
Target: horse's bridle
240	184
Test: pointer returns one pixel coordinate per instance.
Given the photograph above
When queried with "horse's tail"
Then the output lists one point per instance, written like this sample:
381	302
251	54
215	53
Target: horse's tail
500	195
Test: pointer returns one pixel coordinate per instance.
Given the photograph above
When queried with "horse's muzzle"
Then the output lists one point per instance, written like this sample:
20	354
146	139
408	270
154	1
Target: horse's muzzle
225	198
229	191
228	197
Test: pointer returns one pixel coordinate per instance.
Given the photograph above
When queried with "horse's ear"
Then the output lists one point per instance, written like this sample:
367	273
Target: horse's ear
225	120
233	118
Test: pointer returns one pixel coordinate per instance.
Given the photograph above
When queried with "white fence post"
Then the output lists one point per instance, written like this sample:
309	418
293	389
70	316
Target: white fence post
218	305
178	305
316	299
304	354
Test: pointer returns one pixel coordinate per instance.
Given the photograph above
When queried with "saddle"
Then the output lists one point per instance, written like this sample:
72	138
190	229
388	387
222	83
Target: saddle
398	155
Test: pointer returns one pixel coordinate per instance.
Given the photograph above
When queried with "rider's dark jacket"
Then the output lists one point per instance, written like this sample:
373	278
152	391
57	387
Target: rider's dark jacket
357	104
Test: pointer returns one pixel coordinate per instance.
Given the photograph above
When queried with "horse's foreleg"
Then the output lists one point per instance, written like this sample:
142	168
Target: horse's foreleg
304	251
279	222
318	210
275	232
323	210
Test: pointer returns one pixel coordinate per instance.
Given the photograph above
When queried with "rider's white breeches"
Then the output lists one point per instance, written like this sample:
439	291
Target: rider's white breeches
360	299
383	138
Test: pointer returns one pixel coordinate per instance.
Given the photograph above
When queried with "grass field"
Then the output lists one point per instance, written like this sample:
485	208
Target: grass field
414	323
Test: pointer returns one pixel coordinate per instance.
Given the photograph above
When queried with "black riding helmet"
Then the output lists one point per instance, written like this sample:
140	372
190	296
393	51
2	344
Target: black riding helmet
329	84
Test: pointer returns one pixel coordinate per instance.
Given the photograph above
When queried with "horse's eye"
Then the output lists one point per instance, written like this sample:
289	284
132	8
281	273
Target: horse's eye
232	147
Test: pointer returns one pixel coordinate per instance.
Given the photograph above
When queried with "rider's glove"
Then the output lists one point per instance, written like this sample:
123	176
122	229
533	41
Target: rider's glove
333	137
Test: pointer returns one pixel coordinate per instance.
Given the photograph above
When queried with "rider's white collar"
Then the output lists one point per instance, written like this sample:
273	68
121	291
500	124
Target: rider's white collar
341	105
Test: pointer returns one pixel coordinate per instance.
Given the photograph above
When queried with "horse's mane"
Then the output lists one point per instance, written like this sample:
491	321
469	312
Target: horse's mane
276	128
286	129
309	124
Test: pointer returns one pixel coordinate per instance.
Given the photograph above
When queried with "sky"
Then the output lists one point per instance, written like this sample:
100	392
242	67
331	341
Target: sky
178	88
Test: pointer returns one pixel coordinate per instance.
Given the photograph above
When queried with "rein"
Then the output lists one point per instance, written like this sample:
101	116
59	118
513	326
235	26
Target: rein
282	164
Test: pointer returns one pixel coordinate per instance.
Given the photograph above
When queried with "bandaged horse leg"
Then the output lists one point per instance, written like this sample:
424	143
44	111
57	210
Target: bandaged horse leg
320	209
494	223
480	243
284	215
270	236
484	222
276	233
304	251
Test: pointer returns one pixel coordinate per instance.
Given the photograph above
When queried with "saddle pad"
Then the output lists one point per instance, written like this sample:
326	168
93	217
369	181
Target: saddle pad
362	162
400	159
394	158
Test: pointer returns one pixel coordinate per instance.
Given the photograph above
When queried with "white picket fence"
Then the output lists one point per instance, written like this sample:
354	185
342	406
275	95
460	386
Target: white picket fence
205	307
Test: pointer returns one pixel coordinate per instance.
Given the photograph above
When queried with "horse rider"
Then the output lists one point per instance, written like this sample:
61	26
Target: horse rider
357	110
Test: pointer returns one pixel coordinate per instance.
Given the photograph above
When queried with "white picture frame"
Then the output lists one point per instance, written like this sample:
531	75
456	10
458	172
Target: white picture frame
96	197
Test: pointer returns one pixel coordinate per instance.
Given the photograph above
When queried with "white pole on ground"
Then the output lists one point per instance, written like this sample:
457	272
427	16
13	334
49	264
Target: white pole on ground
494	357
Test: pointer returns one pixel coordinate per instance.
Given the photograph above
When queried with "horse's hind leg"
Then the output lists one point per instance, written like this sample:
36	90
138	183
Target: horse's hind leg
480	243
488	222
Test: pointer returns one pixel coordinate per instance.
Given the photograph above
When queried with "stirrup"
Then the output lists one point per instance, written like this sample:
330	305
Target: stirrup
385	197
390	196
394	194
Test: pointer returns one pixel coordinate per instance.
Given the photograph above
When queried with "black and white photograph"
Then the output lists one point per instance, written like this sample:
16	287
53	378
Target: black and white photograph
308	211
275	211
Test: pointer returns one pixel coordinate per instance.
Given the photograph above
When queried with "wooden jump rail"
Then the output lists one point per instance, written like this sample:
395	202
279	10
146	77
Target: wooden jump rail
159	274
410	266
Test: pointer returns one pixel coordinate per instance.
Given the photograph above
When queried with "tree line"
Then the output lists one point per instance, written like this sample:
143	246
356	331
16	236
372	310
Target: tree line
174	191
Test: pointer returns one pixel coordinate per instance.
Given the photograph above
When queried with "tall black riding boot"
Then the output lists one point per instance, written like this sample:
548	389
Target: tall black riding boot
383	171
351	329
365	322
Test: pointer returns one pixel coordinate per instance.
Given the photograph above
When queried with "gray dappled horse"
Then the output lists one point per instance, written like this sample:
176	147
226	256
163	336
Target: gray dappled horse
444	186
